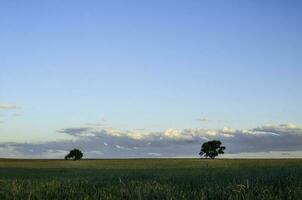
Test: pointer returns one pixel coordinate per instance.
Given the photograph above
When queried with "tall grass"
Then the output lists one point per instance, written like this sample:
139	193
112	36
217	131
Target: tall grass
151	179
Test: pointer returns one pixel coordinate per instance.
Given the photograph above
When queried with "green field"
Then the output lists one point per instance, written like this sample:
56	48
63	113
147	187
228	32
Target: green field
151	179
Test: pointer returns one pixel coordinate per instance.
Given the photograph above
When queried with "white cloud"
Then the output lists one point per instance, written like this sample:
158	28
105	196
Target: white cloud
113	131
7	106
280	129
172	133
211	132
228	130
136	135
204	120
153	154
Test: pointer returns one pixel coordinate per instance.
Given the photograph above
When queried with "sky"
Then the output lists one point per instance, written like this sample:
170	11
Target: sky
150	78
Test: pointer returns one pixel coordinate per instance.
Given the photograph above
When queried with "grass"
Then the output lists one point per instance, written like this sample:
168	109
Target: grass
151	179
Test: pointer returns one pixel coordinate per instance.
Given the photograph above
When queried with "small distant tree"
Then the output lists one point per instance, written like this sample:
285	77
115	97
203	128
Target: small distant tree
74	154
211	149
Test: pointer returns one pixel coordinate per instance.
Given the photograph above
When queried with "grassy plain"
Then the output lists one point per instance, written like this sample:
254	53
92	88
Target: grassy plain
151	179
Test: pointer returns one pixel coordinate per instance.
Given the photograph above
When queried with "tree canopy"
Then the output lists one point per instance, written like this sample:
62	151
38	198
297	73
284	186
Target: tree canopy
74	154
211	149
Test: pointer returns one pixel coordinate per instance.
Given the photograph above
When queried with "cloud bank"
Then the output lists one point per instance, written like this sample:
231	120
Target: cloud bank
97	142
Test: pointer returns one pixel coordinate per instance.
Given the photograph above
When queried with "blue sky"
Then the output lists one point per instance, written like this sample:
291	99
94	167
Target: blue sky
148	65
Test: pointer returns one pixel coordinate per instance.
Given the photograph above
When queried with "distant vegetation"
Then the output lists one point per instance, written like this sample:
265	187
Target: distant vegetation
211	149
74	154
160	179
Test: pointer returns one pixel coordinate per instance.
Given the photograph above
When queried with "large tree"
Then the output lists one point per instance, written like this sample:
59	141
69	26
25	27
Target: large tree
74	154
211	149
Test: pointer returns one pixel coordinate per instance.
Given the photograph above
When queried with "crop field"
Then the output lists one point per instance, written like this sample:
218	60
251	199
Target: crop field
151	179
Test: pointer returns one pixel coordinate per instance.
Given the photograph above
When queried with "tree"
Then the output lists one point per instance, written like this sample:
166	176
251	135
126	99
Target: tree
74	154
211	149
